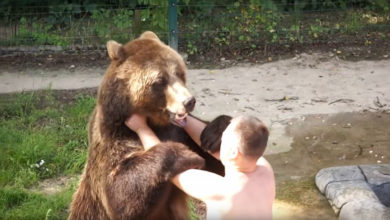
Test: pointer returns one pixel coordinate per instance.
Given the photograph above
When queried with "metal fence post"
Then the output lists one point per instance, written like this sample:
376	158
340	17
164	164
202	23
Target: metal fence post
172	23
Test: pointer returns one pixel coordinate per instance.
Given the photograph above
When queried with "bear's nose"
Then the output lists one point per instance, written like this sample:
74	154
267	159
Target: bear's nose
189	104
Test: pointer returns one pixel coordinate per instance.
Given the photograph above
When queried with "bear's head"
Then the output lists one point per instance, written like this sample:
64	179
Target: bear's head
147	77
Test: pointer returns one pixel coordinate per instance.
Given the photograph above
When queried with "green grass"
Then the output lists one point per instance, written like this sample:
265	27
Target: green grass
309	196
35	127
17	203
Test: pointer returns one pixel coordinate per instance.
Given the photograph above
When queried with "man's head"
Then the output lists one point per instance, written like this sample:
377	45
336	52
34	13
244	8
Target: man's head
246	136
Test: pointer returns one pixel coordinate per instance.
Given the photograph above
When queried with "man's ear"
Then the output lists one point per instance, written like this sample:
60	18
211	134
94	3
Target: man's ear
115	51
233	152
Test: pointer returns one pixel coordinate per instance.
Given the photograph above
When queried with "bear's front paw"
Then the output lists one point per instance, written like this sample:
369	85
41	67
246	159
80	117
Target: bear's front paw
179	158
187	159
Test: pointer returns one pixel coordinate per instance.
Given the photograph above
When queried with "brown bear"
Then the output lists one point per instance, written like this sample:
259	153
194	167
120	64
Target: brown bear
121	180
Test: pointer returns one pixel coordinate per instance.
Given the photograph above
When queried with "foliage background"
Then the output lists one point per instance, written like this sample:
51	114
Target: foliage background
226	27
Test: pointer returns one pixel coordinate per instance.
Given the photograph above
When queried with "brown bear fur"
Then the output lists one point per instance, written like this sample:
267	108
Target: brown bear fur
121	180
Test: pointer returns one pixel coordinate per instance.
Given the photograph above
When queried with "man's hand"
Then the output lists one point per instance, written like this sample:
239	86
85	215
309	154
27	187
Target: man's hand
136	122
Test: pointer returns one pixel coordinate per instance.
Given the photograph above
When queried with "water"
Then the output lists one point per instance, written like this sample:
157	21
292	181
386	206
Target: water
307	144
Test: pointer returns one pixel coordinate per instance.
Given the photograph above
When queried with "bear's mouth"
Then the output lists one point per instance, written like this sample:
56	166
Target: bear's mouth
178	119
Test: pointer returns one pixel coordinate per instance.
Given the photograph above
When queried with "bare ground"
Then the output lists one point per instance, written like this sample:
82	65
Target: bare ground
322	111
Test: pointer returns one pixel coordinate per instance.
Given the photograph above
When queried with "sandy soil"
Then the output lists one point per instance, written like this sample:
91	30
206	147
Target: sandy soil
306	84
275	91
321	111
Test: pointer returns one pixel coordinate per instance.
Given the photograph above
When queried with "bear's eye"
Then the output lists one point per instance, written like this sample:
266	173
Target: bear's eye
161	81
181	76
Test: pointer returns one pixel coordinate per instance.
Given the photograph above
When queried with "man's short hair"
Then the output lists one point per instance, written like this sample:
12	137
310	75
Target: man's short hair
211	135
252	134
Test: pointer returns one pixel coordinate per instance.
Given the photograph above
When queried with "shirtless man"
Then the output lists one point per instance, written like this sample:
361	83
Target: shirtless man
247	190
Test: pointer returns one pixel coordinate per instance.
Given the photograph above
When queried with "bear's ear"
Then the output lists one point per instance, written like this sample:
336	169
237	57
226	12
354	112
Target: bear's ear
149	35
115	51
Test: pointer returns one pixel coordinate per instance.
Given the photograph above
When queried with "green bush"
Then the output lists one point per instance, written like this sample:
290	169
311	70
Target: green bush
39	33
223	26
109	24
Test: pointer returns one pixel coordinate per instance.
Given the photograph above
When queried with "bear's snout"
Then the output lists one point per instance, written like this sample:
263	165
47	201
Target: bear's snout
189	104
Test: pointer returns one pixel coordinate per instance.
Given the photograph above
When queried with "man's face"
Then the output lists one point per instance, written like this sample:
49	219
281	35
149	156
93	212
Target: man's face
229	143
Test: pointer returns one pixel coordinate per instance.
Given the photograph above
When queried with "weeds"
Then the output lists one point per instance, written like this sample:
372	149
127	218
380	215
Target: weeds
40	33
232	26
40	138
244	27
103	24
305	188
16	203
106	22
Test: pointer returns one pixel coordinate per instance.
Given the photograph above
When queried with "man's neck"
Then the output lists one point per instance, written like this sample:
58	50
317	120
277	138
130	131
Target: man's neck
235	169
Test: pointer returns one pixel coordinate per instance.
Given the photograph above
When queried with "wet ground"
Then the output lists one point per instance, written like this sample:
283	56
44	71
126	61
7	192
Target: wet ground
319	141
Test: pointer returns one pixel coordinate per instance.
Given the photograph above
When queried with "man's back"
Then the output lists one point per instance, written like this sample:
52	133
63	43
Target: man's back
251	195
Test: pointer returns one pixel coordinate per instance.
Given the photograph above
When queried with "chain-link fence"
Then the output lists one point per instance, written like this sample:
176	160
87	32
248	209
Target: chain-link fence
203	25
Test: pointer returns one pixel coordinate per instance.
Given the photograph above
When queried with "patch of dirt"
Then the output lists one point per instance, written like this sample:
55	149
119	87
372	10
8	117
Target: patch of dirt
371	46
54	185
69	96
288	210
50	60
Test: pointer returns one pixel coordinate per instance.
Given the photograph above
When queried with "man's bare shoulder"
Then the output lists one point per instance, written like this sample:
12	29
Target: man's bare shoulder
263	164
265	175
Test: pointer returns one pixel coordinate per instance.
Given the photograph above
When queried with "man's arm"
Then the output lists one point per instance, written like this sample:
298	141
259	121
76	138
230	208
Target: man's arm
148	138
194	128
199	184
138	124
202	185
